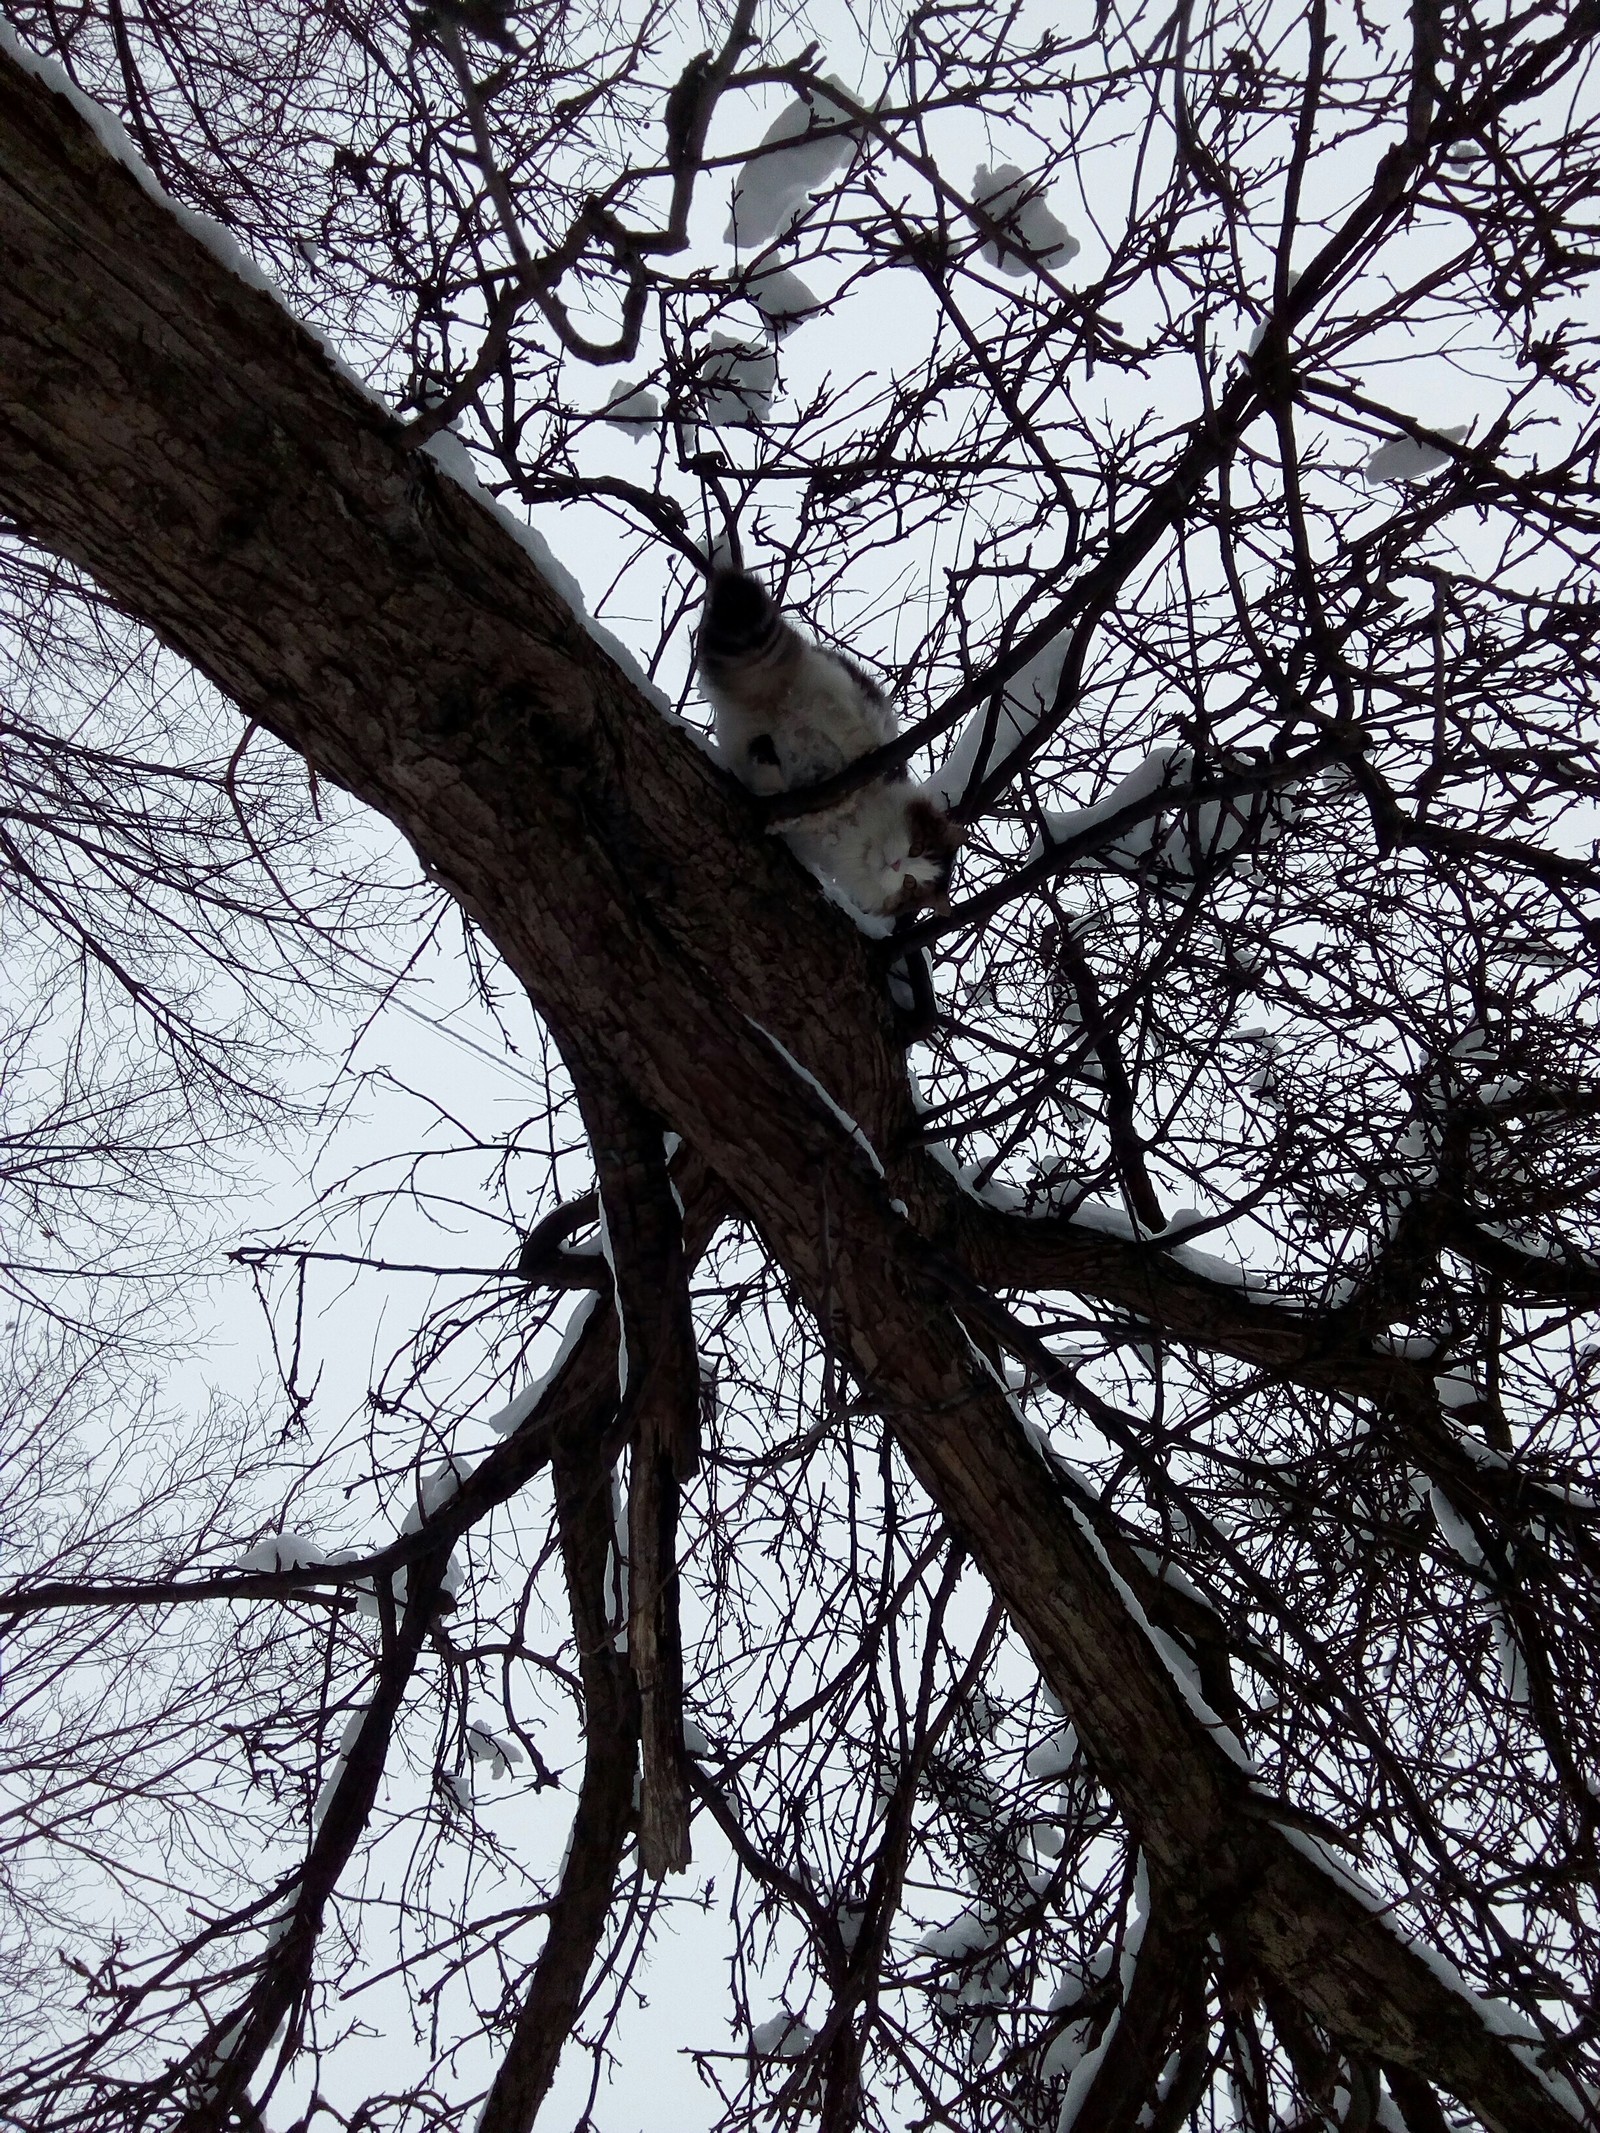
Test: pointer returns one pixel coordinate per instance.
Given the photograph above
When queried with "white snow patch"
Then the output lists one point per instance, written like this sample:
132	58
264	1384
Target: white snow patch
336	1767
1477	1451
969	1933
1508	1656
1178	1665
622	1322
1504	1091
1406	459
737	382
451	455
1017	203
1455	1529
1161	768
781	2036
1055	1754
1454	1390
617	1578
497	1750
795	161
1182	841
435	1489
284	1551
1524	1241
1170	1574
1410	1347
1260	333
633	408
1108	1221
1324	1856
1027	697
994	1193
783	300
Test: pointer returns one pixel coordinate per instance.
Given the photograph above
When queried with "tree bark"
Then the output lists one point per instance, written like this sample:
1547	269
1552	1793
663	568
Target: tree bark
661	1399
604	1814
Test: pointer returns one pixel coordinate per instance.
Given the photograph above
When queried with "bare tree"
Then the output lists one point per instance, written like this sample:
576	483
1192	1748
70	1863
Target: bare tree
1077	1501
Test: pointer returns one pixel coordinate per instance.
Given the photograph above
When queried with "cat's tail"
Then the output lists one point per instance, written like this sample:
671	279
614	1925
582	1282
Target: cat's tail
743	626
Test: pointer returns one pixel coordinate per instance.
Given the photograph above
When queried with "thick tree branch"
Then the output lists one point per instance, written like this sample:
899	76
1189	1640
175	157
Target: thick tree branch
604	1816
661	1397
544	1258
1167	1977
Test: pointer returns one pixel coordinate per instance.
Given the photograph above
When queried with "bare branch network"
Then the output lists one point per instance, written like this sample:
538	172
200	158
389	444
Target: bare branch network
986	1521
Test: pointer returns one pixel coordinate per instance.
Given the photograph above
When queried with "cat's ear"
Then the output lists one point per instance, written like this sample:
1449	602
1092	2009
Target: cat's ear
934	834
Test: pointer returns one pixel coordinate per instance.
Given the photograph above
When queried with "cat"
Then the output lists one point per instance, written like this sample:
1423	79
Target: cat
791	713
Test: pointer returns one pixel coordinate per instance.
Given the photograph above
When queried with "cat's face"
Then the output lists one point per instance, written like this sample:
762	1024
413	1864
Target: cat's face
917	877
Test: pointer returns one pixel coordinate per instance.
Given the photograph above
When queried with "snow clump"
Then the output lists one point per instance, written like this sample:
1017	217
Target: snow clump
783	300
633	408
1408	459
284	1551
1014	201
781	2036
794	161
495	1749
738	381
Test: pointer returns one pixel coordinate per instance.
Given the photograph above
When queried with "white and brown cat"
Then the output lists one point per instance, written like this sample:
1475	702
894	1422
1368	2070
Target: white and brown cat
791	713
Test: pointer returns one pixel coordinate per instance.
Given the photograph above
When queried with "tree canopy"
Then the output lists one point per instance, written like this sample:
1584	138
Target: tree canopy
1019	1481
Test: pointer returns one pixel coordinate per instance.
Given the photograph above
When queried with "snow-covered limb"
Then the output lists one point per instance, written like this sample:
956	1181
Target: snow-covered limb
447	450
453	458
1157	819
285	1551
335	1767
1055	1754
505	1420
840	1115
1260	333
1026	698
1456	1530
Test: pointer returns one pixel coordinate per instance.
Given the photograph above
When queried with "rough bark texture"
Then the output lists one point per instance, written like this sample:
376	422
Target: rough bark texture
604	1813
662	1400
1166	1975
172	431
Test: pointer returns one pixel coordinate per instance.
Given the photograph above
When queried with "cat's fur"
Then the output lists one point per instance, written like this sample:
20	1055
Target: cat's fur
790	713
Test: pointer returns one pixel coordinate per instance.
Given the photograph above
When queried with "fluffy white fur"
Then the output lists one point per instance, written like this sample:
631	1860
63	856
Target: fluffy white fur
790	713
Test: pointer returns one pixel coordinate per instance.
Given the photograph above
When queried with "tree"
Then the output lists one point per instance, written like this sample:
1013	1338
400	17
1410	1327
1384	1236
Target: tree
1128	1684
